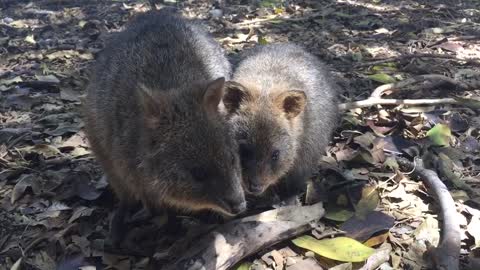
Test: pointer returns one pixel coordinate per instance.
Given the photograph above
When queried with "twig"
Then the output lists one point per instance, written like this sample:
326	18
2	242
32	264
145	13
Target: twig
379	91
446	255
380	101
410	56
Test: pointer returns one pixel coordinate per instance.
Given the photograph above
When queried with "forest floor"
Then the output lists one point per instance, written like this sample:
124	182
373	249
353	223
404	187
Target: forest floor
55	208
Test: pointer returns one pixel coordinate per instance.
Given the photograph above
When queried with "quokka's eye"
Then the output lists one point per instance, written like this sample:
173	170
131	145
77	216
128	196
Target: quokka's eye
199	174
275	155
245	152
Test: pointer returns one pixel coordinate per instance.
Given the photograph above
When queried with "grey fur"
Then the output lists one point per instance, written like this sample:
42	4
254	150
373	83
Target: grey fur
147	121
282	67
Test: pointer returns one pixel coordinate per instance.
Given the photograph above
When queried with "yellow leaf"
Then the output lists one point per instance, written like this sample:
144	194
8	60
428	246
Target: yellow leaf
244	266
368	202
341	248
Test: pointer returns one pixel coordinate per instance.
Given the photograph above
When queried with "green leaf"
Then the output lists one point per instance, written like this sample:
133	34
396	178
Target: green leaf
244	266
357	57
440	135
262	41
382	77
340	248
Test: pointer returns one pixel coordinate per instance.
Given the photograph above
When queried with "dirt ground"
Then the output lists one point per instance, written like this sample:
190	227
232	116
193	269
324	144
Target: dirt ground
55	207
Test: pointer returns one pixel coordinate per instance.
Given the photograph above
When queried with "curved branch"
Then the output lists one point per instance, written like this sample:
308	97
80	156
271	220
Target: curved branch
446	255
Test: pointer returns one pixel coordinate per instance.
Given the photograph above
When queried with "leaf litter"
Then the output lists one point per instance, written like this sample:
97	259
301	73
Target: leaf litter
55	207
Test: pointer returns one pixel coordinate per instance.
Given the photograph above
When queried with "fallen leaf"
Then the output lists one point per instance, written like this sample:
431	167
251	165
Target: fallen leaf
53	210
48	78
343	266
83	189
458	123
440	135
473	229
79	212
338	214
262	41
369	201
26	181
382	78
470	145
30	39
43	261
428	231
17	265
450	46
44	149
16	79
362	228
306	264
365	140
381	255
377	240
244	266
340	248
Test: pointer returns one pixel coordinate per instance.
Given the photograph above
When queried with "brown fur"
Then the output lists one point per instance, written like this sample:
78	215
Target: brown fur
280	103
152	118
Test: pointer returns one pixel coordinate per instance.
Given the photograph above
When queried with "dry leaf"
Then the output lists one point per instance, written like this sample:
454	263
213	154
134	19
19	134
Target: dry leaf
340	248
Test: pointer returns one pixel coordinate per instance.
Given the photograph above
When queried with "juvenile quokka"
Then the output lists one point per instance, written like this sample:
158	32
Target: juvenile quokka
282	105
153	122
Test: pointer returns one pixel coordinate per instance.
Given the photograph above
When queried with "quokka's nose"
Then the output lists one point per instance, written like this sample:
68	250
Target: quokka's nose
255	189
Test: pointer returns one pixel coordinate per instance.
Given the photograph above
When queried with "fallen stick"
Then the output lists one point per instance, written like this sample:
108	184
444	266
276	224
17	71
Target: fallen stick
226	245
380	101
446	255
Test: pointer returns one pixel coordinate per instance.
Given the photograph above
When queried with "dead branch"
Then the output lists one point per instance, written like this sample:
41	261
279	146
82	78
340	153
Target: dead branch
446	255
226	245
406	57
379	91
380	101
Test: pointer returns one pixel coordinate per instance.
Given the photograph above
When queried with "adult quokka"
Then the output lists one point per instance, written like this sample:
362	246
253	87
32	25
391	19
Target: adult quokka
282	107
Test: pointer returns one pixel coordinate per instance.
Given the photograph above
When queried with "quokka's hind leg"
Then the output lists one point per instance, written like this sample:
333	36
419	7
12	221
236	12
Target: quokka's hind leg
118	225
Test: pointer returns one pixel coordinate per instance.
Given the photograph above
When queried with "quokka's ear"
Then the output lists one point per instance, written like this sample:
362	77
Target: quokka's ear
153	106
291	102
235	94
213	95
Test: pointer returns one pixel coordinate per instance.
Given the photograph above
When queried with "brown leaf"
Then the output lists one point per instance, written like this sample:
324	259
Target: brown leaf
305	264
81	211
26	181
362	228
